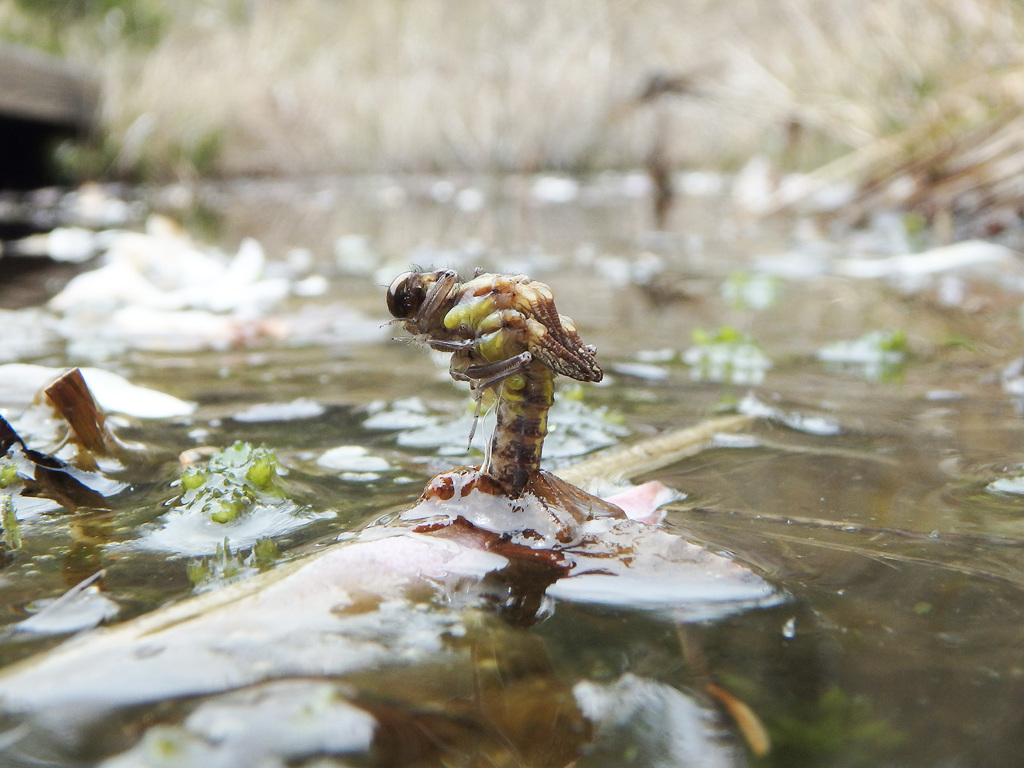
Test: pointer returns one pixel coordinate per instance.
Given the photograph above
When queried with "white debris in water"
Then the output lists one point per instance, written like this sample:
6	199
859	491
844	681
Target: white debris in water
68	244
801	422
1014	485
352	459
641	269
157	290
734	440
555	189
575	428
796	265
81	607
28	333
314	285
408	413
20	383
293	717
969	255
874	353
188	532
810	195
677	730
735	362
646	371
664	355
442	191
160	271
296	410
470	199
701	183
673	575
941	395
354	256
753	185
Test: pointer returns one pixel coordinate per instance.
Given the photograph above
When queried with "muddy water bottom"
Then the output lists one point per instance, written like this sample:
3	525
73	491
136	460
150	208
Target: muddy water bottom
877	489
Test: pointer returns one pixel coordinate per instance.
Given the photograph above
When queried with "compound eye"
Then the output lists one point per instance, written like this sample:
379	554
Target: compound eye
406	294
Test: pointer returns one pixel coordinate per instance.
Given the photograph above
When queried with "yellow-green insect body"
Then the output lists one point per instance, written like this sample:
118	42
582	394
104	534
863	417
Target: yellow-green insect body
507	338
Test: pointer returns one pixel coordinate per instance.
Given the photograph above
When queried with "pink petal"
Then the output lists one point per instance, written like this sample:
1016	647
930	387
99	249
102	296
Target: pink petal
641	502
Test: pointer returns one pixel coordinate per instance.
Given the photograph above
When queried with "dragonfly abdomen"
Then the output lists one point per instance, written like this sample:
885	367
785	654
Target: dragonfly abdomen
522	424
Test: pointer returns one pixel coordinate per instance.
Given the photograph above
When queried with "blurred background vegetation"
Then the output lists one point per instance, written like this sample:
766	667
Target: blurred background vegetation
269	87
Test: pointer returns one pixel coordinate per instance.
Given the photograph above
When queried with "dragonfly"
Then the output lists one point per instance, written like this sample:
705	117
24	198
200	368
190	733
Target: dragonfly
506	338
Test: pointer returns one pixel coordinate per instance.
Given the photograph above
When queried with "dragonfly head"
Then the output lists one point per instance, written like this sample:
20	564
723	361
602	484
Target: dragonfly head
406	294
420	296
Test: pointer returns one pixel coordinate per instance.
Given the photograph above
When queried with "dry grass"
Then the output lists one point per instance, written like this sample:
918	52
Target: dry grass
267	87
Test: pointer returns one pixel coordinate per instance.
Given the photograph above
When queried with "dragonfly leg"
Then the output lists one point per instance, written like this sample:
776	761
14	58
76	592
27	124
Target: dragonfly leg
487	375
451	346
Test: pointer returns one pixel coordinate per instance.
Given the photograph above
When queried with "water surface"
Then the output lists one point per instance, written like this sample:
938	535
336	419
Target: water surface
876	490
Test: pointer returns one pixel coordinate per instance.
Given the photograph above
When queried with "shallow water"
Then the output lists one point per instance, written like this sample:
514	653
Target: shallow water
874	490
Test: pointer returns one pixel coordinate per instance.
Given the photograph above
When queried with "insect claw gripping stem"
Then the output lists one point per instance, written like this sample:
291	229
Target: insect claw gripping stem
505	336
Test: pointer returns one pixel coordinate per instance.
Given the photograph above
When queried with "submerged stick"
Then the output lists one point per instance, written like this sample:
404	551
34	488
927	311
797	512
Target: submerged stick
653	453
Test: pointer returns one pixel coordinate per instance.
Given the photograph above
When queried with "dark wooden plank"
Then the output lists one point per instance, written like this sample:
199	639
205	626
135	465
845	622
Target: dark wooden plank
44	89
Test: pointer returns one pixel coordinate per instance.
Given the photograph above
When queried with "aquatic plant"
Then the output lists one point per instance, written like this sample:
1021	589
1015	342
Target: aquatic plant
8	473
9	525
840	727
726	355
233	480
877	355
226	565
752	290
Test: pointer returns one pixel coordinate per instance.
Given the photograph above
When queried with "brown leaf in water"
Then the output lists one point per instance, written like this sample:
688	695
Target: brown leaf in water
71	397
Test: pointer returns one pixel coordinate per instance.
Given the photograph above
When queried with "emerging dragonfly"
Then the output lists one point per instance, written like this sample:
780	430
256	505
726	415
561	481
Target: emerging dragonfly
506	337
